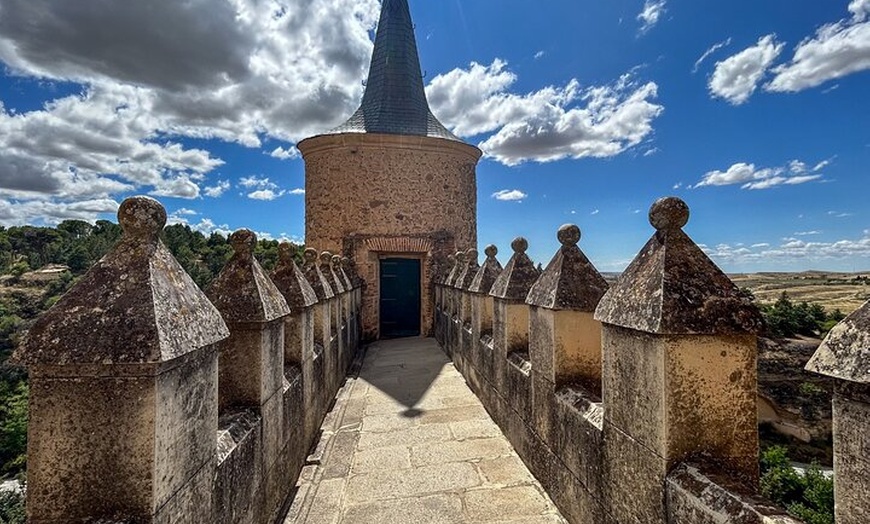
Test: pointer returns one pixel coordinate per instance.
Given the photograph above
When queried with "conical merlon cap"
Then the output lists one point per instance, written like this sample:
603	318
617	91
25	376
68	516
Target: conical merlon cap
394	101
845	352
673	288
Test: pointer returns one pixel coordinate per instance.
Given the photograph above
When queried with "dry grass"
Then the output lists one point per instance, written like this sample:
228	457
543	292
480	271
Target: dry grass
846	291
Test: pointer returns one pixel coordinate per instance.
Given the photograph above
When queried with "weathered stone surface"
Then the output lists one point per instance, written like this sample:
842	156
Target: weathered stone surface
449	269
291	281
672	287
851	460
242	292
565	346
316	279
136	305
684	396
487	274
695	498
570	281
79	467
239	469
251	365
338	269
518	275
463	282
845	352
326	268
504	504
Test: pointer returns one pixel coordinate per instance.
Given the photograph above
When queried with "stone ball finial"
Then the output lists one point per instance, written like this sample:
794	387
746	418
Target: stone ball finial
460	257
243	241
491	251
336	261
345	262
309	256
285	252
472	255
569	235
142	217
326	258
520	245
669	214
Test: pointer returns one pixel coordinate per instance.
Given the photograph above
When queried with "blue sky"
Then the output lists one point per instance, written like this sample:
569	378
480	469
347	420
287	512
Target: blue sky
754	112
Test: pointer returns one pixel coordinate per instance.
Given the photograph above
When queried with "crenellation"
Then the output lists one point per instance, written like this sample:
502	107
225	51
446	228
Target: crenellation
631	404
209	422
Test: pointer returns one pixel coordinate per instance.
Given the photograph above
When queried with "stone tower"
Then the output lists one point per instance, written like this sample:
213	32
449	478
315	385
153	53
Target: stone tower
392	186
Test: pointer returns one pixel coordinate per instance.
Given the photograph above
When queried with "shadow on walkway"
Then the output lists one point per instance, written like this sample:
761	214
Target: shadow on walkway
404	369
408	442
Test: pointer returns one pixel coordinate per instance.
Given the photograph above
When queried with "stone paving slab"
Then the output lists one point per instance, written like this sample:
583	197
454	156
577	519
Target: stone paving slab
408	442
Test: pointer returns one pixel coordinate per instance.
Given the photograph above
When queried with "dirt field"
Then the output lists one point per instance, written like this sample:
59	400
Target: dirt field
847	291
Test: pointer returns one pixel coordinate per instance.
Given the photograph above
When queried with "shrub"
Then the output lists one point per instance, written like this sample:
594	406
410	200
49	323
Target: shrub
12	508
809	496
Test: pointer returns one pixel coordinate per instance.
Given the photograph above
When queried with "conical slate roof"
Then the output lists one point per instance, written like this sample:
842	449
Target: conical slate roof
394	101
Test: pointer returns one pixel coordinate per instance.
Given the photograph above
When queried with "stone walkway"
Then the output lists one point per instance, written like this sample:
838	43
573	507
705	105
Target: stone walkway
408	442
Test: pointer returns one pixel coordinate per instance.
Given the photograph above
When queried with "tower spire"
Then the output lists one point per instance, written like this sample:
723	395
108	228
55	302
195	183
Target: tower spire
395	101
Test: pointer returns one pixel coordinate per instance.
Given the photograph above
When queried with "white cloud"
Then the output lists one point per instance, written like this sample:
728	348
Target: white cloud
539	55
545	125
255	181
736	78
651	151
807	233
16	213
285	154
839	214
709	52
751	177
836	50
791	250
297	191
185	211
180	187
678	185
266	194
595	212
155	72
510	195
217	190
860	9
651	14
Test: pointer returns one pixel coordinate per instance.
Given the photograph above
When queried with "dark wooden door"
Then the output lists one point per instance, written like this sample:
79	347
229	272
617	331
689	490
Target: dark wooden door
400	297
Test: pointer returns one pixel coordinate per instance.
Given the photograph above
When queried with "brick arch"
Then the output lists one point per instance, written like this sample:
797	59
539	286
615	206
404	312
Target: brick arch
399	245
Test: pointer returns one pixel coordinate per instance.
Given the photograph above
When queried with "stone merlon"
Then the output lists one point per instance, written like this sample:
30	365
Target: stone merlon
570	281
672	287
845	352
242	291
315	277
518	275
488	272
136	305
290	280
